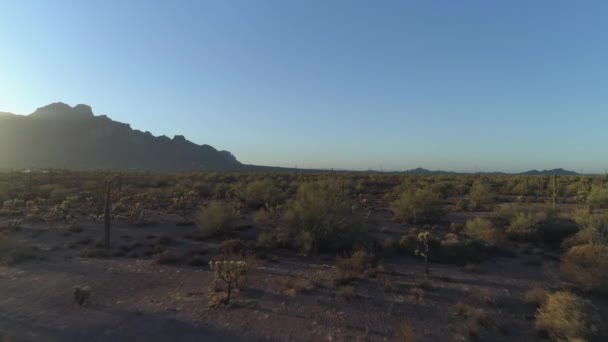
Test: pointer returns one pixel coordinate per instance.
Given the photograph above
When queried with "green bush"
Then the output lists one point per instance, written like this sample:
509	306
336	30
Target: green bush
481	229
421	205
593	229
480	196
523	227
321	216
216	218
598	197
263	192
567	317
272	238
586	266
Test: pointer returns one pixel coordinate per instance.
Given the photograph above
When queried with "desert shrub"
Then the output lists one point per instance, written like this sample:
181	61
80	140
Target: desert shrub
421	205
346	292
216	218
407	332
272	238
586	266
598	197
536	295
481	229
456	228
168	257
297	285
523	227
408	243
322	217
263	192
567	317
461	252
474	320
593	229
480	196
358	262
232	247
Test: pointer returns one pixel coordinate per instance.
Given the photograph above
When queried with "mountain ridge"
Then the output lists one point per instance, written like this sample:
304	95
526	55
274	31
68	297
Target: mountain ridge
63	136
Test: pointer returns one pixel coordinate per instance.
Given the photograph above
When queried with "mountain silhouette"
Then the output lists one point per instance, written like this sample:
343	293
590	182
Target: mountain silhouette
558	172
60	136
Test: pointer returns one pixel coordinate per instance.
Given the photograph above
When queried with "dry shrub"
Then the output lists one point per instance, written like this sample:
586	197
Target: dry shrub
346	292
358	262
536	295
232	247
408	243
474	320
387	283
272	238
299	285
168	257
567	317
586	266
407	333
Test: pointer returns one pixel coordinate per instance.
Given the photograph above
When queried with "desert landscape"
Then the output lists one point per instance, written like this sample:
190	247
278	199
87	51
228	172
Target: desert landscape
293	256
275	170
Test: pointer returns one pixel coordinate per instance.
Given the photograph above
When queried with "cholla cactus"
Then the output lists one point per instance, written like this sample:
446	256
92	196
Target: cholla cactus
423	249
230	272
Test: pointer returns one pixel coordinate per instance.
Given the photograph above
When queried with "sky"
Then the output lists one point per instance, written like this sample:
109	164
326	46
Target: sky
452	85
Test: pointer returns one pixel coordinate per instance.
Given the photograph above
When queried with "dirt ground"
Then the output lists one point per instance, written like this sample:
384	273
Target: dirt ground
135	298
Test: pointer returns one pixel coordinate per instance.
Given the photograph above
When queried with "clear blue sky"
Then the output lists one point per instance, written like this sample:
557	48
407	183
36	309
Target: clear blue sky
459	85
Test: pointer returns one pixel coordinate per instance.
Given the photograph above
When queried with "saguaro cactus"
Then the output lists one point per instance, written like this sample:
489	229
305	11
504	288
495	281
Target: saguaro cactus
107	214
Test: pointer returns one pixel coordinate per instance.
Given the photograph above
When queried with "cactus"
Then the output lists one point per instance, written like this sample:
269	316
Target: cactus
107	214
230	272
423	249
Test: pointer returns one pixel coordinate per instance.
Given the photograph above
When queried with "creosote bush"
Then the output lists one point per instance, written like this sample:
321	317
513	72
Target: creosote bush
523	227
216	218
481	229
586	266
263	192
419	205
322	217
480	196
565	316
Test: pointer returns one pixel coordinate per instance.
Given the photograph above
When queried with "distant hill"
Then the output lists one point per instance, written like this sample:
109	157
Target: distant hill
558	172
57	136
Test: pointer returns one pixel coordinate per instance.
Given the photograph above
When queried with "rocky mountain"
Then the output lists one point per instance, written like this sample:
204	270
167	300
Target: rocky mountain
58	136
